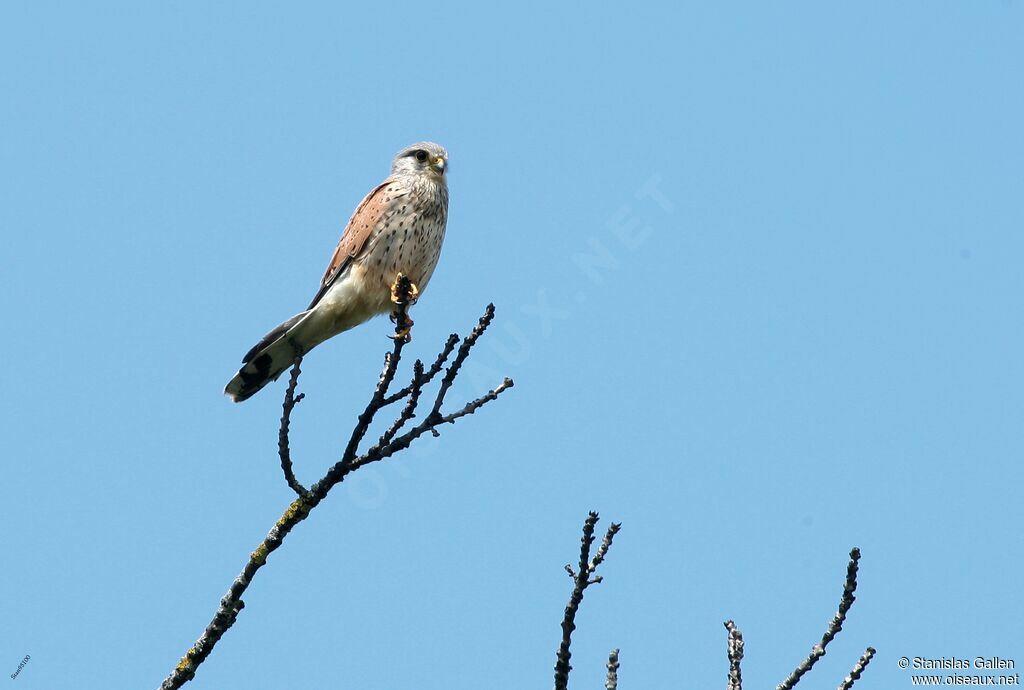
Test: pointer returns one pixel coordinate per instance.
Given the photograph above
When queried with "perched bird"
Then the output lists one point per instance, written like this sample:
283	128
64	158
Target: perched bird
397	228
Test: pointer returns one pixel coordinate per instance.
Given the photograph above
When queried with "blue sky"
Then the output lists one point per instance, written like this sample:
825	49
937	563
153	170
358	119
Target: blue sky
758	278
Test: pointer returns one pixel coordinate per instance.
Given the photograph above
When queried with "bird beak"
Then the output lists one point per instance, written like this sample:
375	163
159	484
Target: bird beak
439	165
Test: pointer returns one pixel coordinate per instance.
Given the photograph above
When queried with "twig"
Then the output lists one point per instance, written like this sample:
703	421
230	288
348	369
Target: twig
818	650
453	340
435	418
735	656
475	405
582	578
409	411
612	681
858	669
290	401
460	358
231	604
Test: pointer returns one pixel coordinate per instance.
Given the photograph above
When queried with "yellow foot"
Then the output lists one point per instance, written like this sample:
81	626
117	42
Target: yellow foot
403	295
401	329
404	285
402	332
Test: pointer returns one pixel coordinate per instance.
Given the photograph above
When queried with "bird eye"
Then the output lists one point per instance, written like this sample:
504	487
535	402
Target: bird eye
421	156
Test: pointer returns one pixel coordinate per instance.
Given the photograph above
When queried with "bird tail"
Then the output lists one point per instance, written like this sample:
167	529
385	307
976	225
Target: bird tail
274	353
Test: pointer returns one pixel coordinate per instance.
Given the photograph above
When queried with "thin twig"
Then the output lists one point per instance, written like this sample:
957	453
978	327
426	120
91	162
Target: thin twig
460	357
858	669
474	405
735	648
453	340
290	401
818	650
581	580
606	544
409	411
435	418
231	604
612	680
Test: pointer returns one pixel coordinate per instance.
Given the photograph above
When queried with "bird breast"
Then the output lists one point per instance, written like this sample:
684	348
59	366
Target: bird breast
409	236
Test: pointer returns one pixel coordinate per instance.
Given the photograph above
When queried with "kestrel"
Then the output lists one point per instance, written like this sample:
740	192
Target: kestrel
397	228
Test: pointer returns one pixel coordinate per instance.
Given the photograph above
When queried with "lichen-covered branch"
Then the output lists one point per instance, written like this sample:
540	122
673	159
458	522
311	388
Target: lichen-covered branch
388	444
582	577
818	650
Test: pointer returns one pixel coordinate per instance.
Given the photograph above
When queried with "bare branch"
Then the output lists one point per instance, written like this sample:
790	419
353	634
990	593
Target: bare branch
818	650
460	358
438	364
474	405
581	579
612	681
606	543
735	649
409	411
435	418
858	669
391	360
290	401
231	604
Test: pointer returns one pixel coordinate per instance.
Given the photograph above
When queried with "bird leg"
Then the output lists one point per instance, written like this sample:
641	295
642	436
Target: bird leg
404	294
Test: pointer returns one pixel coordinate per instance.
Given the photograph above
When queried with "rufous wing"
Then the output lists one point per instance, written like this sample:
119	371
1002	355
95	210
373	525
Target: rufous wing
359	230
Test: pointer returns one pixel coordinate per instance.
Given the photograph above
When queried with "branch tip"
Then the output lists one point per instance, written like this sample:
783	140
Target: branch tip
836	624
612	679
735	653
582	578
858	669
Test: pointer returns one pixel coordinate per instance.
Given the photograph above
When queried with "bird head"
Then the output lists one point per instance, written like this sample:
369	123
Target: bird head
424	157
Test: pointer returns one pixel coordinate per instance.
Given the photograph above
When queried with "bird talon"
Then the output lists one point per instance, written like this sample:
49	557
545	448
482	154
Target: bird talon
402	332
412	292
